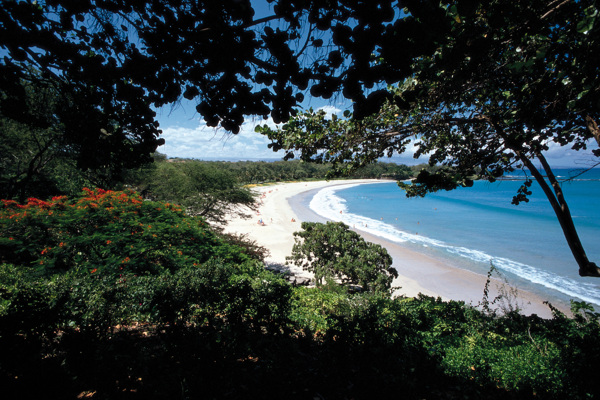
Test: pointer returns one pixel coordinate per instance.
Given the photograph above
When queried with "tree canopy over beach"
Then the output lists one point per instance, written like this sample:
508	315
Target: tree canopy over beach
112	61
505	82
107	294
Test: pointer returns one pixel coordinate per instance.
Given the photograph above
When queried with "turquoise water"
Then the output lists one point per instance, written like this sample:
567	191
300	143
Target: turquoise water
476	227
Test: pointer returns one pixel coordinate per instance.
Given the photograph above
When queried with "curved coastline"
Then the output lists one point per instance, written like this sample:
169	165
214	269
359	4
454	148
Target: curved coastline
418	272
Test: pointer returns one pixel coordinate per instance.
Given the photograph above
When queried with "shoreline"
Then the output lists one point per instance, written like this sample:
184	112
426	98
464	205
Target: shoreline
417	272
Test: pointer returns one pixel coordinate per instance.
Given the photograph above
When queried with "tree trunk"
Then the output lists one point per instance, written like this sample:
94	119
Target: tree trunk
561	209
558	203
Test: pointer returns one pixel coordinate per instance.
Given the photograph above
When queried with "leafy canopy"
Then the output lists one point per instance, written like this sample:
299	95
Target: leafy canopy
107	231
505	81
332	251
38	160
203	189
113	61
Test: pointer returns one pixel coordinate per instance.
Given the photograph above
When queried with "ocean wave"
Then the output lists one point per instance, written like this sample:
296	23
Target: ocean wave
327	204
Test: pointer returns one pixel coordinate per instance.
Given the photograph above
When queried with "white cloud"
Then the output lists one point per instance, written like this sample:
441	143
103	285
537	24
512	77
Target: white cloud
330	110
565	156
204	142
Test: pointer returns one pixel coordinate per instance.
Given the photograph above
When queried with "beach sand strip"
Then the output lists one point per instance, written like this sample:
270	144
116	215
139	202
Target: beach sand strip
281	208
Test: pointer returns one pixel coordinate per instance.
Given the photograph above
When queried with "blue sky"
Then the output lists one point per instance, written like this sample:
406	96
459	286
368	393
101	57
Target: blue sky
187	136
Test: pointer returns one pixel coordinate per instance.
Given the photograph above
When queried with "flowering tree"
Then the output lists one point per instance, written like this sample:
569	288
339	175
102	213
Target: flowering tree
106	231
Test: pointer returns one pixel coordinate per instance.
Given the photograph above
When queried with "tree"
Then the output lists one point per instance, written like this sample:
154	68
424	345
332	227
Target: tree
333	251
483	86
35	159
505	82
203	189
113	61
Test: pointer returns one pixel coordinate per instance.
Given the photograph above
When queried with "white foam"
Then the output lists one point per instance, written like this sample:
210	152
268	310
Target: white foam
327	204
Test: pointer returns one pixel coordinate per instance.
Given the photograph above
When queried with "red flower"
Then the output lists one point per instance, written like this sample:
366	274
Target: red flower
33	202
10	203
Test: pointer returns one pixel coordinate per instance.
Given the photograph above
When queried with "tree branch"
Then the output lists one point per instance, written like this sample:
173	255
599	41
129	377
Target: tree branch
561	209
583	171
558	203
593	128
261	21
553	9
306	43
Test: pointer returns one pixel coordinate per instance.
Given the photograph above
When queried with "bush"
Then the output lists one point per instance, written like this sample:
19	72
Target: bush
216	294
107	231
67	299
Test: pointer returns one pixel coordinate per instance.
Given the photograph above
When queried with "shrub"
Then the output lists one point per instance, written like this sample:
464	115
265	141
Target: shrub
217	294
107	231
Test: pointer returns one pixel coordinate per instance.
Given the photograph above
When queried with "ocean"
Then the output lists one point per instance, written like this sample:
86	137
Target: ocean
475	228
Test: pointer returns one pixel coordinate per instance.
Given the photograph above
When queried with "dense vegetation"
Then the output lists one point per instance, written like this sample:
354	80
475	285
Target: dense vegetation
480	87
255	172
104	295
214	189
333	252
504	83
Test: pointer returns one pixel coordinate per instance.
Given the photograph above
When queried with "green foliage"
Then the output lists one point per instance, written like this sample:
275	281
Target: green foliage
312	309
99	295
220	322
522	356
256	172
36	161
333	251
203	189
503	81
106	230
487	358
214	294
348	144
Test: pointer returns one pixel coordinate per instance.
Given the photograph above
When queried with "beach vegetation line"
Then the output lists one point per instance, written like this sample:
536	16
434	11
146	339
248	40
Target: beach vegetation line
105	295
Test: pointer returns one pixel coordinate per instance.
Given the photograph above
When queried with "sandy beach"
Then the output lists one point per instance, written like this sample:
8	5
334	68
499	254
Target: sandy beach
281	209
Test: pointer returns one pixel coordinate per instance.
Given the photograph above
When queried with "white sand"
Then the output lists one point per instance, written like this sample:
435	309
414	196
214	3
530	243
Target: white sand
418	273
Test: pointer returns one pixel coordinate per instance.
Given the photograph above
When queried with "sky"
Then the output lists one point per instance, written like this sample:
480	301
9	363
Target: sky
187	136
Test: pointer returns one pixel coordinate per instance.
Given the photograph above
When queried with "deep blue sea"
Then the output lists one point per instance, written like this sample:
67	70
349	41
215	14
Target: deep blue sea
476	227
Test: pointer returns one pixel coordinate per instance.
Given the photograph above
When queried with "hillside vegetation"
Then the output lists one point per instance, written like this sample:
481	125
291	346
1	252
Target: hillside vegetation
104	295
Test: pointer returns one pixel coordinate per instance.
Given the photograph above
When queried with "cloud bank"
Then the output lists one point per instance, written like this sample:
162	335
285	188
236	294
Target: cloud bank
208	143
